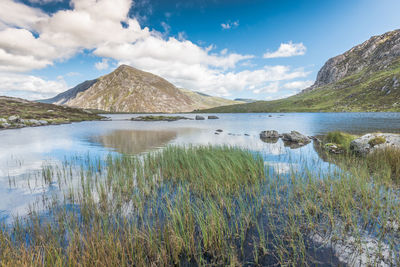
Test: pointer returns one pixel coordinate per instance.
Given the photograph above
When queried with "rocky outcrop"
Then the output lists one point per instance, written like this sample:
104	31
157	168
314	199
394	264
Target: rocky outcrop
374	141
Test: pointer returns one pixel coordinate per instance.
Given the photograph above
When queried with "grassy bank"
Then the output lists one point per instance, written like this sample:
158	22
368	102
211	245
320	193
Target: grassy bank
214	206
53	114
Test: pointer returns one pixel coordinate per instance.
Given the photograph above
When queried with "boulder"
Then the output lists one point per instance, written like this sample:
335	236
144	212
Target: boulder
34	122
199	118
3	120
4	125
295	139
269	134
43	122
213	117
219	130
374	141
14	119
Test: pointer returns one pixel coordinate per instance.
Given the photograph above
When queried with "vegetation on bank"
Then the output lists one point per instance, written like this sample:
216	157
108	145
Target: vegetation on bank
159	118
52	114
382	162
363	91
215	206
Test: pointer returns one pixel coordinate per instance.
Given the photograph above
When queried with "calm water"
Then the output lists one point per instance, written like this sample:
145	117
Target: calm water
23	152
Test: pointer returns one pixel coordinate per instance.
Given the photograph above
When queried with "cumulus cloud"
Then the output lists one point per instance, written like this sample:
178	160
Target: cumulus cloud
230	25
102	65
31	39
298	85
29	86
287	50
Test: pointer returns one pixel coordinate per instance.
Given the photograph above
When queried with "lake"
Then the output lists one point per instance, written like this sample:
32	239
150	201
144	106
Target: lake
25	151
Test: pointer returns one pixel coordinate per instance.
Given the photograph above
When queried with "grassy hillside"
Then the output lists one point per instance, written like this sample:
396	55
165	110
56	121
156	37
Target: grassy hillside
365	91
202	101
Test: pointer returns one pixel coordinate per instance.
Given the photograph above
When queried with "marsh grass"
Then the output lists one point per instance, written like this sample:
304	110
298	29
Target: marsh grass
215	206
341	139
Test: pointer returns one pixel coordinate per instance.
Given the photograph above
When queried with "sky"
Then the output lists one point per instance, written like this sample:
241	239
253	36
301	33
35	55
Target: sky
254	49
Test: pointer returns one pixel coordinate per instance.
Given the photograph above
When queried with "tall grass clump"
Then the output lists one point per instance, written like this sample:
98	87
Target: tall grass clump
385	160
341	139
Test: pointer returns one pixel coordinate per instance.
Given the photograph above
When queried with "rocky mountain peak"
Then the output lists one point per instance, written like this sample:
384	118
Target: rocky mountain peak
377	53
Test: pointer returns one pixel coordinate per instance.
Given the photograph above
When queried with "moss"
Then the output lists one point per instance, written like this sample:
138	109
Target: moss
377	141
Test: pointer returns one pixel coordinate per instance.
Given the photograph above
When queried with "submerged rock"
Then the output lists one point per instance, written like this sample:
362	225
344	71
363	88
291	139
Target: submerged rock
213	117
199	118
374	141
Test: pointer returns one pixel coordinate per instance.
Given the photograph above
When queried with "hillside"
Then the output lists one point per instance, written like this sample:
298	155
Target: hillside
28	113
365	78
127	89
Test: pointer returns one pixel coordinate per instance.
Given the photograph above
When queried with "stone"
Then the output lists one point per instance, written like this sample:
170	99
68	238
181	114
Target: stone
365	144
219	130
269	134
34	122
4	125
213	117
14	119
3	120
199	118
43	122
295	139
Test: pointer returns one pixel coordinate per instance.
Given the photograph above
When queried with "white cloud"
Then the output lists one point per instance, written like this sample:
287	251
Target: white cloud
95	26
19	15
298	85
31	87
287	50
230	25
102	65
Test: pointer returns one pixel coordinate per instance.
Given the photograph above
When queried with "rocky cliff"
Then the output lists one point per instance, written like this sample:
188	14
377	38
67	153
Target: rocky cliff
127	89
376	54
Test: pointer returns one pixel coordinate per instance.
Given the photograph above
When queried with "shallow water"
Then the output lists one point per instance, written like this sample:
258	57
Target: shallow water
25	151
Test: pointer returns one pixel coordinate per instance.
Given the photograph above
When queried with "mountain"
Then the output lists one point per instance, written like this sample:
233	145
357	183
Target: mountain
127	89
365	78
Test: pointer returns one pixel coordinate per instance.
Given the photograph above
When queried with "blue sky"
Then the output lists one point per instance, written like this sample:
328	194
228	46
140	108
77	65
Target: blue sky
251	49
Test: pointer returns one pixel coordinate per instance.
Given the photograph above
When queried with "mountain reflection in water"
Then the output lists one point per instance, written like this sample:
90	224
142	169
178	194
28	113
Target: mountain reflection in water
135	141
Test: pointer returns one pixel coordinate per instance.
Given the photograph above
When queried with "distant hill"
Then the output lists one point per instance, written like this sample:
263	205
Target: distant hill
365	78
127	89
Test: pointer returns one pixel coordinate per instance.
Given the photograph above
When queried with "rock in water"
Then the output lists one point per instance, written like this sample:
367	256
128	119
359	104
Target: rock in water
295	139
269	134
199	118
213	117
375	141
